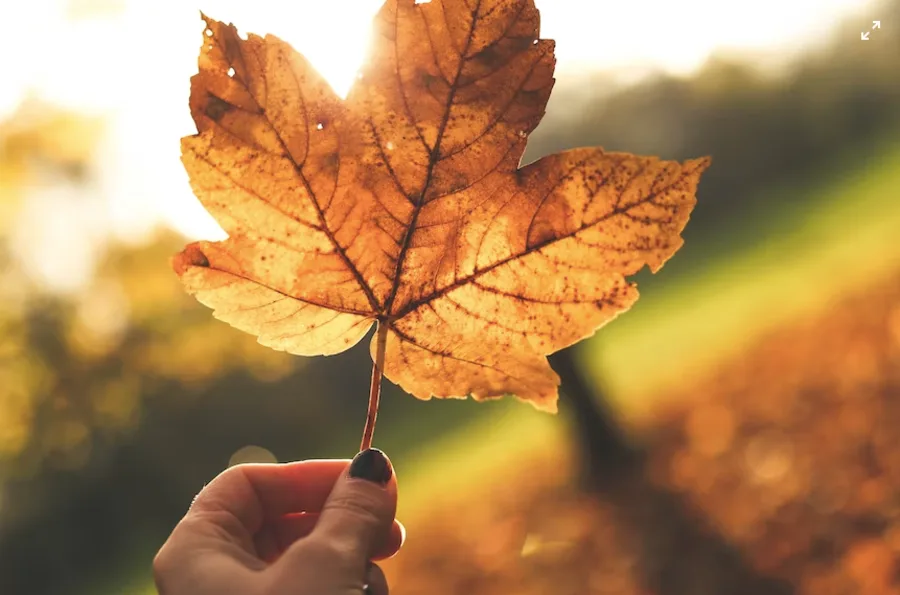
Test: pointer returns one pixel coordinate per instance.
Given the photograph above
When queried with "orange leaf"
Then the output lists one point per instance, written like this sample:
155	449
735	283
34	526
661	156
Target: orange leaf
405	204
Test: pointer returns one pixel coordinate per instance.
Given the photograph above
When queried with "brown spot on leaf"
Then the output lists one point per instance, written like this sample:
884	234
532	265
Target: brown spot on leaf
217	107
191	256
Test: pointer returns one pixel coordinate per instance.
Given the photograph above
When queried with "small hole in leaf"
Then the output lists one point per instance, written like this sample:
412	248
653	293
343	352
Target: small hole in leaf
209	32
389	146
320	126
231	72
535	42
523	134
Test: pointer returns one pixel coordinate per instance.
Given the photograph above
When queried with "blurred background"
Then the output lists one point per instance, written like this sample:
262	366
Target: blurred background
735	432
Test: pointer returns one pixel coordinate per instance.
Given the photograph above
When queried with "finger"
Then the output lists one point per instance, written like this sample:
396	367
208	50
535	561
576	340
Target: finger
376	583
242	498
356	520
393	544
276	537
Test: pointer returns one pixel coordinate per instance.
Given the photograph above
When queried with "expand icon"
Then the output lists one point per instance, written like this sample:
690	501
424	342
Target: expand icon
864	35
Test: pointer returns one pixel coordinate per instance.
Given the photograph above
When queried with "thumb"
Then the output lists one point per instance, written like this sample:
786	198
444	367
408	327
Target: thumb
357	517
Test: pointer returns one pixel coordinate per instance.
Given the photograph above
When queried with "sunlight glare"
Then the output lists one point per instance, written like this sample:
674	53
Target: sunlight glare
333	36
133	65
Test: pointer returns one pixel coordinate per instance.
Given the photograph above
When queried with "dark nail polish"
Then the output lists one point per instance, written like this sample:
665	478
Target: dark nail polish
372	465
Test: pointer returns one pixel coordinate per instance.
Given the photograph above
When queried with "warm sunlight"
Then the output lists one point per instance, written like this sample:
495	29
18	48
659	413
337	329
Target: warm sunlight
332	35
590	35
98	43
129	61
673	223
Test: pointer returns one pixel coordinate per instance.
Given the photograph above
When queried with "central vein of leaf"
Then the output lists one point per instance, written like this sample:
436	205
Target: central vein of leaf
433	159
323	223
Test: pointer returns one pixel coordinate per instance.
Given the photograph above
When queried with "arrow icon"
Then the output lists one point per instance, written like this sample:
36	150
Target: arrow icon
864	36
876	24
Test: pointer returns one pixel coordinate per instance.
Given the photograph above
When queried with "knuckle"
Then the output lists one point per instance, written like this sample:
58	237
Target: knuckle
238	470
325	553
226	477
363	499
360	506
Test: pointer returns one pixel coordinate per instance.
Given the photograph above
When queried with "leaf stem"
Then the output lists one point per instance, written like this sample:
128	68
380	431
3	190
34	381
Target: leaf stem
375	387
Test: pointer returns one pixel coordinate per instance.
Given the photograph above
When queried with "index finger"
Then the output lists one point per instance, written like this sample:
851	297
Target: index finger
256	493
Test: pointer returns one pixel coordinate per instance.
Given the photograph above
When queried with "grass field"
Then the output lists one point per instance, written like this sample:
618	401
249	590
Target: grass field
807	258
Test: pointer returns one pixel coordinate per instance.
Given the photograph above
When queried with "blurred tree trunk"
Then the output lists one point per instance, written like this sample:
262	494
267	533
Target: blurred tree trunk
604	451
680	551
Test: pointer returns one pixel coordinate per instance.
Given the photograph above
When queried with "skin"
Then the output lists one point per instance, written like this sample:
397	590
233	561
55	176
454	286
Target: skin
299	528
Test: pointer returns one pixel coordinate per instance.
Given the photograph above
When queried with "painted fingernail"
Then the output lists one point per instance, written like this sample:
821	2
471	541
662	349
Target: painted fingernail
372	465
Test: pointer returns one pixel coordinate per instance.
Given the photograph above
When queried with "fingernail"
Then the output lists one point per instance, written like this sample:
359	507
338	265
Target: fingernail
372	465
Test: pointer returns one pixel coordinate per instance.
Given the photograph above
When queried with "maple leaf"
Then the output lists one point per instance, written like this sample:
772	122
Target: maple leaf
404	204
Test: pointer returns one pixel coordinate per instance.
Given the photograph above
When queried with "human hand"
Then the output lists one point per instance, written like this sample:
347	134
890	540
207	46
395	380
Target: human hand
307	528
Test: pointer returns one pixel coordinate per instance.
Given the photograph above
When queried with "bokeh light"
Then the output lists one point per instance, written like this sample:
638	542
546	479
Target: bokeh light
251	454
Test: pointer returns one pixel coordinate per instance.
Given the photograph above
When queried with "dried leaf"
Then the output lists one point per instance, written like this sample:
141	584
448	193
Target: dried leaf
405	205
